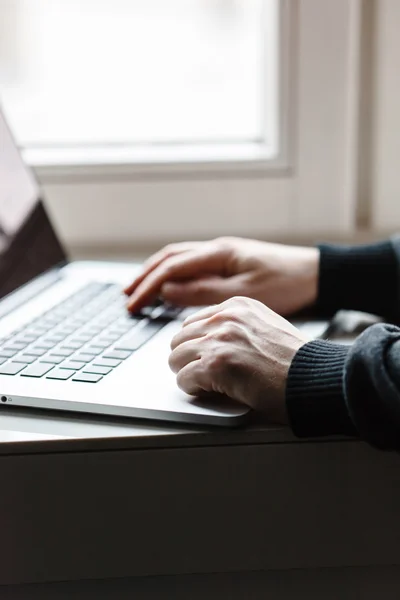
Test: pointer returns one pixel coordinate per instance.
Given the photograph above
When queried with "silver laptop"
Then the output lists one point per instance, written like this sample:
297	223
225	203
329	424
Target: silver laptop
66	340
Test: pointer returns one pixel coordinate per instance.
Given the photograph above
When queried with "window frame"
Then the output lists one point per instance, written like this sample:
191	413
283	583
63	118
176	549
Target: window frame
310	188
186	158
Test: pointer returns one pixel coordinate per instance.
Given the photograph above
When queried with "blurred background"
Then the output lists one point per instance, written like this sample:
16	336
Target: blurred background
148	121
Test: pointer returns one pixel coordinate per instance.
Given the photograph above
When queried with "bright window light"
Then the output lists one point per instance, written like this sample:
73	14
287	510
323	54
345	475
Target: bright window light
99	73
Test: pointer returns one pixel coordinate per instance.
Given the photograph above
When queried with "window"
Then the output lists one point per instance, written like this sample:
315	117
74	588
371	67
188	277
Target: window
156	120
94	74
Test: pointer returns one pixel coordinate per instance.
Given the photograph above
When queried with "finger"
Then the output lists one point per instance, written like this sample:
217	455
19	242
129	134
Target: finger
206	290
183	355
201	315
184	266
156	259
192	379
193	332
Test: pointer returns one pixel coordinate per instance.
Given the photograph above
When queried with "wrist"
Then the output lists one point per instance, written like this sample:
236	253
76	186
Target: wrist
315	398
361	278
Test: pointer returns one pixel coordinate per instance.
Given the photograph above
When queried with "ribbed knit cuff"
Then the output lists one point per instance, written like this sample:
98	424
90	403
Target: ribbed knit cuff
361	278
314	391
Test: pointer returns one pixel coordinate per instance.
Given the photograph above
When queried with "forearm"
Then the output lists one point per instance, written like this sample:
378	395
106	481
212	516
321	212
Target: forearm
355	390
364	278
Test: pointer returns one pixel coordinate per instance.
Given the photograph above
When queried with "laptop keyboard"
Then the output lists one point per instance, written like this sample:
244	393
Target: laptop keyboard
82	339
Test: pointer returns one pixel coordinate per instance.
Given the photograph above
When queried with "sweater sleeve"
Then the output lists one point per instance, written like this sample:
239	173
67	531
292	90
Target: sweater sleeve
365	278
334	389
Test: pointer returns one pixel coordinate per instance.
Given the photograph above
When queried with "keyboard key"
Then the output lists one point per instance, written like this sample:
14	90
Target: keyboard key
73	365
54	360
27	337
62	352
104	323
117	354
61	333
16	346
106	342
7	353
139	336
45	344
74	344
37	370
109	362
11	368
66	330
56	338
23	358
93	350
146	311
170	312
35	351
94	330
53	320
77	323
128	320
41	327
115	333
60	374
83	339
87	377
107	336
29	334
37	331
84	357
97	369
100	345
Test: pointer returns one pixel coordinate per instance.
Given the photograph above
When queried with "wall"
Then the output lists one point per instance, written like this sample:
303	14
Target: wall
340	177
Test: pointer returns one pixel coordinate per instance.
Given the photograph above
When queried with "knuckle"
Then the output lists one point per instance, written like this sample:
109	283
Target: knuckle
228	332
218	318
233	314
169	268
234	303
175	341
182	383
224	239
218	360
187	384
240	300
226	245
240	305
172	362
169	249
223	334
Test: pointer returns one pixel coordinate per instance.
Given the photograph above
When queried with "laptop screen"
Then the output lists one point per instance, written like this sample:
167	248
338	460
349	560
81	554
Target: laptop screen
28	243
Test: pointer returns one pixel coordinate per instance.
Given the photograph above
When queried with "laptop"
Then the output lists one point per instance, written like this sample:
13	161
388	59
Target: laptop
67	341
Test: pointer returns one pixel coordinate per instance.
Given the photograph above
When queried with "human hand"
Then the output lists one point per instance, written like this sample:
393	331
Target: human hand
285	278
239	348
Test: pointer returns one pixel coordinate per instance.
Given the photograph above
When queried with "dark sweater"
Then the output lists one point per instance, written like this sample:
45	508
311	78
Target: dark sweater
352	390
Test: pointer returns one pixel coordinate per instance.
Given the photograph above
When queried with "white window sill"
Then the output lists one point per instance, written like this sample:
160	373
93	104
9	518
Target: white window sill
122	161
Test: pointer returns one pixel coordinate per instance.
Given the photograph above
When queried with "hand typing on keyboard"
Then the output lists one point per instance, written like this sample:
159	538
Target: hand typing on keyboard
238	346
284	278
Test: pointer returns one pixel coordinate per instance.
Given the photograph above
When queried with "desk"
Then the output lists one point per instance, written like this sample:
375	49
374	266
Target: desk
88	506
85	498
